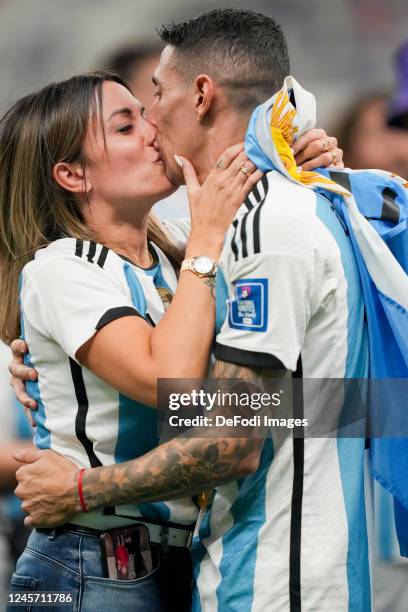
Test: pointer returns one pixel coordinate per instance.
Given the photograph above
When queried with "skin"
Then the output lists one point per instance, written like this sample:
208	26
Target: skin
183	466
8	465
195	120
123	182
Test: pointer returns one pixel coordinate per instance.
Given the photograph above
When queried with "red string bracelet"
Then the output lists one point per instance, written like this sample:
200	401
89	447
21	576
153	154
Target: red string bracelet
80	491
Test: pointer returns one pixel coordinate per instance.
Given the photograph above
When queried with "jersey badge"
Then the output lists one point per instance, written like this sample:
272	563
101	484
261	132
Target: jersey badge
248	309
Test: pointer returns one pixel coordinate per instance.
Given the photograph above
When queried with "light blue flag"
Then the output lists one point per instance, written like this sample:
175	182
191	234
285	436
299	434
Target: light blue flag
374	206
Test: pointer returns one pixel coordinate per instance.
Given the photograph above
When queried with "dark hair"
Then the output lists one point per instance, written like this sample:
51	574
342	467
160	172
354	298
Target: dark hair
40	130
244	51
126	60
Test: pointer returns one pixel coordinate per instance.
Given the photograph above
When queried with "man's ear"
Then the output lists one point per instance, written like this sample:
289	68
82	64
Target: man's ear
204	95
71	176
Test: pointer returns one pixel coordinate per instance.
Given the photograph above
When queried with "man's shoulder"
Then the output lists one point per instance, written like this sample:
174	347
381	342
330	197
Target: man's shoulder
278	215
286	199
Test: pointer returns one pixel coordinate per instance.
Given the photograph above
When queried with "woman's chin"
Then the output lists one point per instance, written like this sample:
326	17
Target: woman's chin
170	189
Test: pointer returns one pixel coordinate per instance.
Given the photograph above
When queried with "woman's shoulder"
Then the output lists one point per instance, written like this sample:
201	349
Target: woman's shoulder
73	252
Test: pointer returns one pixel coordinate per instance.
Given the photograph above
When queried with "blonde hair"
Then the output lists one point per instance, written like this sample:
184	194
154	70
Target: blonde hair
39	131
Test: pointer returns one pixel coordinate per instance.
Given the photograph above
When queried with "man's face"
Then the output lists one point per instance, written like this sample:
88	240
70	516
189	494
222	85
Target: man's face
173	115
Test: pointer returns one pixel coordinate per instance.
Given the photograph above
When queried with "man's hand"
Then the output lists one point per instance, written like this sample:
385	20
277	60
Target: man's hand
315	149
48	487
20	373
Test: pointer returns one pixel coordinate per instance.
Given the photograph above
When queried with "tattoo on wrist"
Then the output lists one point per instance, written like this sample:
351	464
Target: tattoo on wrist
210	282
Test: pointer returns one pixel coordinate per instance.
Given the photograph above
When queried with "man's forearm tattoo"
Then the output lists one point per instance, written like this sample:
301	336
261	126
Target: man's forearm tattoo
182	466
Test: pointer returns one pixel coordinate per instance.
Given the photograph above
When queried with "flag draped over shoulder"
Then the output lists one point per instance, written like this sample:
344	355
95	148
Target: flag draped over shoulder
374	207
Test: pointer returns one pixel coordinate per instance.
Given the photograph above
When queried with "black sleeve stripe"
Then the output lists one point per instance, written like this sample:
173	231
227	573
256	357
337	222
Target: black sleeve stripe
91	252
265	184
248	202
116	313
257	194
234	247
243	236
102	257
257	214
251	359
257	233
79	247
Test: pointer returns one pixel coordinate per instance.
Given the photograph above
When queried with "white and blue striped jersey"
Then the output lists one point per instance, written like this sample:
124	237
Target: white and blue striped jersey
68	291
296	534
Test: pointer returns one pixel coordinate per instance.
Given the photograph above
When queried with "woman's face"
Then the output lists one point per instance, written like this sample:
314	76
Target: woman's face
128	169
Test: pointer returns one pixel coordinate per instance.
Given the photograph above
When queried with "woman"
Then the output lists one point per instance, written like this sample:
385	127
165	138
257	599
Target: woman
82	175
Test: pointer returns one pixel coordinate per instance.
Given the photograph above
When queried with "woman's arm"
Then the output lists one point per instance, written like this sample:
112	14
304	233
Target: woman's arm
129	354
136	337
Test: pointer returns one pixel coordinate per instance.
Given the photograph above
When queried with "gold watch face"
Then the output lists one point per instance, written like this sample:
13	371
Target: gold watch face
203	265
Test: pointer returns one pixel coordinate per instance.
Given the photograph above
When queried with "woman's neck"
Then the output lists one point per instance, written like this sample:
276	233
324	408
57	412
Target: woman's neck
124	236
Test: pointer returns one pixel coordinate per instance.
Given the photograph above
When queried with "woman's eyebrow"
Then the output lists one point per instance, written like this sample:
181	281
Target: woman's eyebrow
121	111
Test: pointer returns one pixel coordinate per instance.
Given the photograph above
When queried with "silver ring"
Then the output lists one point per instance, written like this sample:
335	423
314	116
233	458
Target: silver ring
334	158
219	163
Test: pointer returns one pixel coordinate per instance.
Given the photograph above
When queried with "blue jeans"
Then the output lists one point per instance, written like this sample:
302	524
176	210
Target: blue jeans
65	561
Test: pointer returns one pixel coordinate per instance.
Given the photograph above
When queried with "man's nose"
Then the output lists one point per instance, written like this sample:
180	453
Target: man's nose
150	134
151	118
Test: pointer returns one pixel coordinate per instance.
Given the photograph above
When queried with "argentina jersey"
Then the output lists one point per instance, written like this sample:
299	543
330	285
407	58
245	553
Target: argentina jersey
296	534
70	290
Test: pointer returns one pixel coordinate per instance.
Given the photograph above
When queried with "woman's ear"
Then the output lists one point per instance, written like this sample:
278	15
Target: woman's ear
71	176
204	95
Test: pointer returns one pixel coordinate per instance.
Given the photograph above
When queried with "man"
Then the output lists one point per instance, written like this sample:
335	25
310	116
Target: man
291	533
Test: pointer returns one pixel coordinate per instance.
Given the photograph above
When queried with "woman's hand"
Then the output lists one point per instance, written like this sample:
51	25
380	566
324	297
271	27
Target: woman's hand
214	204
20	374
315	149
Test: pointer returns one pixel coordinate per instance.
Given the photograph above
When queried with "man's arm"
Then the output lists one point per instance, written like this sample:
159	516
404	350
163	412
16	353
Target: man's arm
183	466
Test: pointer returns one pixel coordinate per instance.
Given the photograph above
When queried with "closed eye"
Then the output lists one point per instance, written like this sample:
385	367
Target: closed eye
125	128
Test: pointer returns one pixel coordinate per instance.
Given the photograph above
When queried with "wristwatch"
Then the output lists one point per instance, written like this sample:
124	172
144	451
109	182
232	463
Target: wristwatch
202	266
